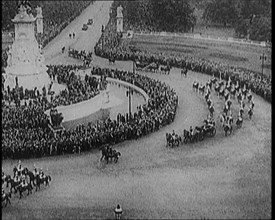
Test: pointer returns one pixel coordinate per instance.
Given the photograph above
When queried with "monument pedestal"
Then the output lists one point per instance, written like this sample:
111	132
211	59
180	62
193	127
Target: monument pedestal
25	63
28	76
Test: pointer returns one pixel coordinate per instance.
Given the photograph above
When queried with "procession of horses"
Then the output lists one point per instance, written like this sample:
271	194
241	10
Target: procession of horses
23	180
224	89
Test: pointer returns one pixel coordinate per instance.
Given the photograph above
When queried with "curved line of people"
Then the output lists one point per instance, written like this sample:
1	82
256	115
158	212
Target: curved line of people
258	83
36	140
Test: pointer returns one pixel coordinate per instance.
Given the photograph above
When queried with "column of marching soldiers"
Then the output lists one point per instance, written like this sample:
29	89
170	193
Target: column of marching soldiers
23	181
224	90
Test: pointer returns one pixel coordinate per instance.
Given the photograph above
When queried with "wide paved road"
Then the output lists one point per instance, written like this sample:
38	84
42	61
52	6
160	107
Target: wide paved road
217	178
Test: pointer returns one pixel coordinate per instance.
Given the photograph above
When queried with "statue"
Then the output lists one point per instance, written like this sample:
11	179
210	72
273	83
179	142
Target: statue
119	11
24	6
9	60
39	11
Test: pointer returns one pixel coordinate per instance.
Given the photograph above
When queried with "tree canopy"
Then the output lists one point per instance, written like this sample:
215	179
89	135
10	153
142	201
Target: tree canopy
163	15
221	11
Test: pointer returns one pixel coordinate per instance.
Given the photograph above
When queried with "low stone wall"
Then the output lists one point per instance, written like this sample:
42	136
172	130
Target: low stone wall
126	84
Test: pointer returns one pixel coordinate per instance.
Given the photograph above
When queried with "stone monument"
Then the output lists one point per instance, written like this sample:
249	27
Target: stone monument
39	20
119	20
25	59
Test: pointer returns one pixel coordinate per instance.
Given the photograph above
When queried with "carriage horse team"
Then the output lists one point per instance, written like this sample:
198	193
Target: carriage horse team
23	180
223	89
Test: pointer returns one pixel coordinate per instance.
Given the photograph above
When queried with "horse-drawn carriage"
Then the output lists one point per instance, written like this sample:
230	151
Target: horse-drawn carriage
83	55
199	133
173	140
108	154
141	65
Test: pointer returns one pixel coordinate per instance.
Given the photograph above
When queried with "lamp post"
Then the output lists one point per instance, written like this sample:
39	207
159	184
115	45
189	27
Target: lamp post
129	93
134	66
102	31
263	58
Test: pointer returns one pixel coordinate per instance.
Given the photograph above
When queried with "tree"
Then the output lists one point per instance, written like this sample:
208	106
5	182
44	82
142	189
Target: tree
173	15
221	11
242	27
261	29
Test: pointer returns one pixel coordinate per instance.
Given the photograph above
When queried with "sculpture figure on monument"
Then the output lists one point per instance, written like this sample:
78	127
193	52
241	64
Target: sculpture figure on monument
24	6
9	60
119	11
39	11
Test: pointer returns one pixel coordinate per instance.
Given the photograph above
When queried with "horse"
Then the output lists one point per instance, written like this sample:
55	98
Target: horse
209	102
173	141
239	97
169	140
6	198
114	155
186	136
112	60
222	119
14	184
184	72
226	96
207	95
230	120
153	67
209	129
241	112
196	86
30	174
244	92
211	109
22	189
221	92
249	97
201	89
233	92
227	128
239	122
199	134
104	152
217	89
165	69
6	179
228	103
250	113
44	180
226	109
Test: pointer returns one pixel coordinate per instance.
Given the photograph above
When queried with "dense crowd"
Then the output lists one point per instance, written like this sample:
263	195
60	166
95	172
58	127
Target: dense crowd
36	140
258	83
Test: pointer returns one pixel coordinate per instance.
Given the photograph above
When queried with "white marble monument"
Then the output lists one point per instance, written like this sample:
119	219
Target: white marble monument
25	62
119	19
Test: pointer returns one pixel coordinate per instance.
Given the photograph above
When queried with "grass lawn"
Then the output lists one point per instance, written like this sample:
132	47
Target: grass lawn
235	54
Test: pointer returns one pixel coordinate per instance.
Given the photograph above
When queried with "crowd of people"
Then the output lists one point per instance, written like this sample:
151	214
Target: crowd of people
36	139
258	83
26	124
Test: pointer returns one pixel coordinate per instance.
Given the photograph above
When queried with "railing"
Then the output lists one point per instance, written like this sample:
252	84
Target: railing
207	37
